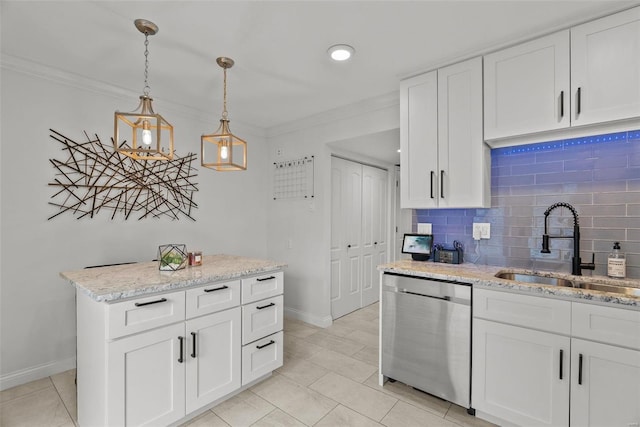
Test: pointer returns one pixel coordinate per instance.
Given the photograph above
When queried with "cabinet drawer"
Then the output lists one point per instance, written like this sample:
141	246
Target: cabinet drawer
261	287
545	314
213	297
140	314
261	357
606	324
262	318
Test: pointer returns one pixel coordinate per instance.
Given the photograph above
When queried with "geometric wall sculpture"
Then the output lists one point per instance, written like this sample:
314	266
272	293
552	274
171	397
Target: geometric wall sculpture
93	177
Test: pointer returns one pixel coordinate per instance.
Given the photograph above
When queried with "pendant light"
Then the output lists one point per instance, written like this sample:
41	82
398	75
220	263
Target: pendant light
151	135
230	151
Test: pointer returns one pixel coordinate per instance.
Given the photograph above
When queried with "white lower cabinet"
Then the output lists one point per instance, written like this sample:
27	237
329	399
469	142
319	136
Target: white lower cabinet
541	373
261	357
520	375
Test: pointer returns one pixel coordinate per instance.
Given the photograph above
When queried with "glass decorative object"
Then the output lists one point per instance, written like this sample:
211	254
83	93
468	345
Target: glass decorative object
172	257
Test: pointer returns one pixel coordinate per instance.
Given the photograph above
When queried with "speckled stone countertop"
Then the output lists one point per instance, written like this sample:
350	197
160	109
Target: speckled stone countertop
124	281
484	276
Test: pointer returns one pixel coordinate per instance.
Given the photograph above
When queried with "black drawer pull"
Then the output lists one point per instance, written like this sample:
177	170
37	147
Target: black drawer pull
193	350
216	289
266	306
260	347
561	360
265	278
181	359
142	304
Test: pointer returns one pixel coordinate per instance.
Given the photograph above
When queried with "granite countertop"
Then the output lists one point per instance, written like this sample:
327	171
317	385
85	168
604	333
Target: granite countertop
117	282
484	276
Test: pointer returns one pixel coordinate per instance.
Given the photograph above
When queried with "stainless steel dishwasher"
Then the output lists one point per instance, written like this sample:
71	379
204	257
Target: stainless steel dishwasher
426	335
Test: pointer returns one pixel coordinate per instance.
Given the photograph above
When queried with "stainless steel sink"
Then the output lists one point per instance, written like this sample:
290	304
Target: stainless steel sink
556	281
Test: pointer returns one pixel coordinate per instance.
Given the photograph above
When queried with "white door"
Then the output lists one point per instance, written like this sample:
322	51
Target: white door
605	68
374	231
147	378
419	140
464	160
605	386
520	375
213	355
346	236
526	87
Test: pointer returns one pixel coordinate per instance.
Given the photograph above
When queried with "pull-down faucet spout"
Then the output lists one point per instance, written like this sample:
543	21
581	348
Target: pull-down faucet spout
576	262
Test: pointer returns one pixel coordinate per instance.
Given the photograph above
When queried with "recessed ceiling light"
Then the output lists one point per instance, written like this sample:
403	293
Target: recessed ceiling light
341	52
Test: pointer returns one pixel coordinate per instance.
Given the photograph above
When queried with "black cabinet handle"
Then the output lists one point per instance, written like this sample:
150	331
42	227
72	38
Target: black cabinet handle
431	185
260	347
181	359
442	184
348	246
216	289
580	369
561	361
579	109
266	306
561	108
142	304
265	278
375	243
193	349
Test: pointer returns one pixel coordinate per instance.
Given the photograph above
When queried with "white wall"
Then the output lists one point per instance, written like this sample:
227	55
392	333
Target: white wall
37	307
307	224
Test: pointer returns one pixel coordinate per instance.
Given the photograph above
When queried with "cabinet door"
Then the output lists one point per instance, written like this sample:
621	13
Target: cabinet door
146	378
526	87
419	141
213	357
464	160
605	68
262	318
262	357
605	385
520	375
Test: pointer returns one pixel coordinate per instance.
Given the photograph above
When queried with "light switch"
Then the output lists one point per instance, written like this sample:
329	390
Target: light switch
424	228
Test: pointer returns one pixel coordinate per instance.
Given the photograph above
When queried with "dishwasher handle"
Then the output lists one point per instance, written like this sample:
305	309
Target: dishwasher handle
444	298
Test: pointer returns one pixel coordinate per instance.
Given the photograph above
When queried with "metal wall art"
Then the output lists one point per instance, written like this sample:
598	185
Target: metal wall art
95	177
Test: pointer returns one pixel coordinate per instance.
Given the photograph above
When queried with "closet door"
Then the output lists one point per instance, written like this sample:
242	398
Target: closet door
346	237
374	231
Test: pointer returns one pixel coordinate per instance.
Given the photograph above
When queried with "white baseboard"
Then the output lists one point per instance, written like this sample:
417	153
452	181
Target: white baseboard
36	372
323	322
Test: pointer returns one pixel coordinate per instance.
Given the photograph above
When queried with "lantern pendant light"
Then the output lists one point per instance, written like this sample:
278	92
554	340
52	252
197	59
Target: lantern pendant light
230	151
151	136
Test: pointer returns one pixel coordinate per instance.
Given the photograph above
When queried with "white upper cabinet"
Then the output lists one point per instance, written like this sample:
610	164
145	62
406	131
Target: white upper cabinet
585	75
605	68
526	87
443	160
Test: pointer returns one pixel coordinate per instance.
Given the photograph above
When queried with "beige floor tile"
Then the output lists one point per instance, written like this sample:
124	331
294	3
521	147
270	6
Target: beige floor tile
338	330
278	418
366	338
208	419
354	395
332	342
368	355
42	408
410	395
342	416
298	347
300	402
459	415
24	389
65	384
405	415
243	409
300	370
298	328
344	365
370	326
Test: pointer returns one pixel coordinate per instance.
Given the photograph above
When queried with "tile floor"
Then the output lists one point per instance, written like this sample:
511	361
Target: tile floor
329	378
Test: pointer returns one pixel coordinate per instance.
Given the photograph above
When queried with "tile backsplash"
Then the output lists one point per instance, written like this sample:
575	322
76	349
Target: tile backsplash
599	175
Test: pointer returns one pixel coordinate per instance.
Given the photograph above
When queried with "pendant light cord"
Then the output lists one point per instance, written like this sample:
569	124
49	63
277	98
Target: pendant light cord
224	109
146	64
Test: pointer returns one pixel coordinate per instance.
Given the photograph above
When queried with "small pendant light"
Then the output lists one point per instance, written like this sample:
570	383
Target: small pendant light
151	135
230	151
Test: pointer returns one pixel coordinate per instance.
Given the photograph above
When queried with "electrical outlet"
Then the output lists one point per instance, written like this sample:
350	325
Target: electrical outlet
481	230
278	151
424	228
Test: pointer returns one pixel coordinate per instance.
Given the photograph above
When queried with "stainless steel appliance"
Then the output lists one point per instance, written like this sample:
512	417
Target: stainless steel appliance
426	335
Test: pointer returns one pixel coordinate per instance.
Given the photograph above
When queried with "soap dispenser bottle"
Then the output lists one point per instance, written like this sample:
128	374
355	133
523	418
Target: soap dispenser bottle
616	263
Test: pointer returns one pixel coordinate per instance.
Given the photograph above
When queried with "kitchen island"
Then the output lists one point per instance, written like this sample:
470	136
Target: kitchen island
541	354
157	347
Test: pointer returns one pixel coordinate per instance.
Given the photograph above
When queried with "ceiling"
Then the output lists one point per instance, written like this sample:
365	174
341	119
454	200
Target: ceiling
282	71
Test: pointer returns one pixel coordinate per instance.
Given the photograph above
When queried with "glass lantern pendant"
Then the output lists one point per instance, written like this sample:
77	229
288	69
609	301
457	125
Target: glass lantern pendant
145	134
229	151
